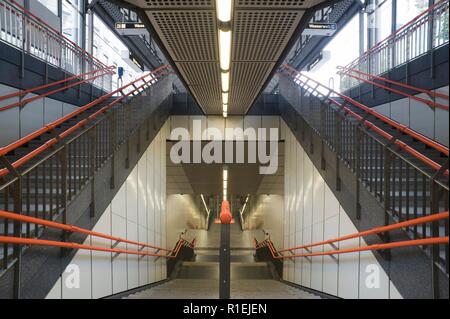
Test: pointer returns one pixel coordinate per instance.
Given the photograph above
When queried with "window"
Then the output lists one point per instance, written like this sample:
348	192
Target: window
409	9
52	5
72	20
379	20
340	51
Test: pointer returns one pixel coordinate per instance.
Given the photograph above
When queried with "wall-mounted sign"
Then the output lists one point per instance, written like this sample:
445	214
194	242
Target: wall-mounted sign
131	28
320	28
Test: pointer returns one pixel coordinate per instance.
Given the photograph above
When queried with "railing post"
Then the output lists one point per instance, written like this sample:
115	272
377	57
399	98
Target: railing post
436	193
64	168
92	166
113	144
17	233
323	164
387	192
358	140
338	148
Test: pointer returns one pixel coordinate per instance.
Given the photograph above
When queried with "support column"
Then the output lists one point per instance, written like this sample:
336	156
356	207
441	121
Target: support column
225	258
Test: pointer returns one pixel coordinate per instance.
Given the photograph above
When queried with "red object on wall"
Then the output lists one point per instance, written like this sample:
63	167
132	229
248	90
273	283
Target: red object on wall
225	213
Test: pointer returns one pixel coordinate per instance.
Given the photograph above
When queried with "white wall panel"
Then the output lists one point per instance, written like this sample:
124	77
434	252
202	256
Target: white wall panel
132	260
132	195
348	263
76	278
119	263
318	217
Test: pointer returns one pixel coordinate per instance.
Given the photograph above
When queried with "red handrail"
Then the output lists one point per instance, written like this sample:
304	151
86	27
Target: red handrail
5	150
406	86
377	230
432	104
403	128
104	71
171	253
397	31
46	86
373	127
27	12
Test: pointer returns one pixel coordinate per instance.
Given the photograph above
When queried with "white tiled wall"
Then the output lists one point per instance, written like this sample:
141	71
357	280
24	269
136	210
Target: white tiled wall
312	214
433	123
19	122
137	212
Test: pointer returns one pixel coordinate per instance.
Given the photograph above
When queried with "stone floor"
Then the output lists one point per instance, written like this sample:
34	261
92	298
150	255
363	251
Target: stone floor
208	289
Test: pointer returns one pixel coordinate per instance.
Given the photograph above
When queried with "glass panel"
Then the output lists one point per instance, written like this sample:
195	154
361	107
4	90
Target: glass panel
71	21
409	9
109	49
52	5
343	49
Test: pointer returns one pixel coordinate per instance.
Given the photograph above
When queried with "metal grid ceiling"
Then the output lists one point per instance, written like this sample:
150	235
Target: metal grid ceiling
261	31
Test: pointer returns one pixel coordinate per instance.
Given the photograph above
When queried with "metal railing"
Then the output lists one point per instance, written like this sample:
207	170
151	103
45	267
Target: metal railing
425	32
42	182
390	86
405	189
437	243
80	79
30	34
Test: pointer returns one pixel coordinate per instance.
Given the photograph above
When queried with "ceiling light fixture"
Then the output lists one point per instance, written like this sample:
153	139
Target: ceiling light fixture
225	49
225	81
225	98
224	8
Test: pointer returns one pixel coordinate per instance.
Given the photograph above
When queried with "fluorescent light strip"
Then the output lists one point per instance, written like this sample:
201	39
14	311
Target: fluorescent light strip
225	81
224	9
225	98
225	49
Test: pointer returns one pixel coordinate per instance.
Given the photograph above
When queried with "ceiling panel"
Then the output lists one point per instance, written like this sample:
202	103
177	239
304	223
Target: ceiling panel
188	29
262	35
188	35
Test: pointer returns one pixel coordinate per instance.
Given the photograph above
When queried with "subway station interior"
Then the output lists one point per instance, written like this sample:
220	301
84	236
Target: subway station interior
224	149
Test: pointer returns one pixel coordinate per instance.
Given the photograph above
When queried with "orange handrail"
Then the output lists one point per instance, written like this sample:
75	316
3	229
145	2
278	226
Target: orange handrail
5	150
403	128
373	127
406	86
171	253
104	71
432	104
377	230
46	86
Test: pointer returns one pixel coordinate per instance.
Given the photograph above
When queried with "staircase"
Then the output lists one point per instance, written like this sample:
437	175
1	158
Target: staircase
59	183
368	171
199	279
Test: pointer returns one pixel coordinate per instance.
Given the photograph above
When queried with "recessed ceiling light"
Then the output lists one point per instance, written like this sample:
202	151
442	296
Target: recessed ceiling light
225	98
225	49
225	81
224	8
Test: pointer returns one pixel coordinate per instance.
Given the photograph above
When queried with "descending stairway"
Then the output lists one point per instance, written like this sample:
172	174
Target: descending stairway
199	279
52	181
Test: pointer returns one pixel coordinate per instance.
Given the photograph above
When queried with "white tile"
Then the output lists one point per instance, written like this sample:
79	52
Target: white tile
119	264
132	195
56	291
102	261
132	260
142	191
119	204
76	278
